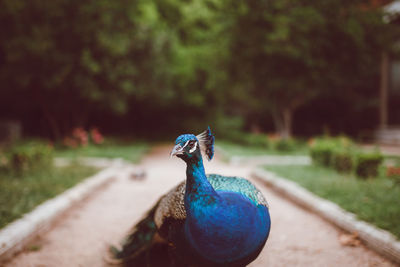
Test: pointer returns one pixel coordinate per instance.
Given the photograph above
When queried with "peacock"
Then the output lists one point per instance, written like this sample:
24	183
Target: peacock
207	220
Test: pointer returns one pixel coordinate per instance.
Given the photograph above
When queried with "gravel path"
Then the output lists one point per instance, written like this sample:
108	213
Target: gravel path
80	238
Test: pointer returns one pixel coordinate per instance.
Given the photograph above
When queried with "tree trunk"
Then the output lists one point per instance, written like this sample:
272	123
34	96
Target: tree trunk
283	122
287	123
53	124
383	108
40	98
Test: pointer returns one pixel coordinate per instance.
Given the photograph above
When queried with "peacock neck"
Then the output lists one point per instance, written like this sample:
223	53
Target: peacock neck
199	191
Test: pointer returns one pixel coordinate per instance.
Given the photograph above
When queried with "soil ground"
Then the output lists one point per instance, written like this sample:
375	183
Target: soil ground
81	237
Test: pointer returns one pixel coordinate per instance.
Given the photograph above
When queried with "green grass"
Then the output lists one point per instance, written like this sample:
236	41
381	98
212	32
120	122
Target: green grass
112	149
374	200
240	150
21	193
391	160
23	189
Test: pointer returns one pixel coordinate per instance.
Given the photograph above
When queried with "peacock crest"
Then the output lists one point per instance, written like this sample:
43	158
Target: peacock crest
206	140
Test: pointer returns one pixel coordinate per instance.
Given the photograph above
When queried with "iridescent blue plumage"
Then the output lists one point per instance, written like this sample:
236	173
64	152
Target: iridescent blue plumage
209	220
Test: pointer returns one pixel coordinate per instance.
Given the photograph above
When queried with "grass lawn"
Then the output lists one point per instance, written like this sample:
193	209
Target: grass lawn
111	149
374	200
239	150
19	194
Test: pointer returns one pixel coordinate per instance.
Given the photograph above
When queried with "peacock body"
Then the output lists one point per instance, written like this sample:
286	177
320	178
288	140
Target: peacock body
209	220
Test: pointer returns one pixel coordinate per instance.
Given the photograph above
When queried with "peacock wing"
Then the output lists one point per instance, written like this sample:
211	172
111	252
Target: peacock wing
171	207
238	185
144	238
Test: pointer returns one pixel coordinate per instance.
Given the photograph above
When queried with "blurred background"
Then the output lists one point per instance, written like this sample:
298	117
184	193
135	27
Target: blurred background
156	68
301	88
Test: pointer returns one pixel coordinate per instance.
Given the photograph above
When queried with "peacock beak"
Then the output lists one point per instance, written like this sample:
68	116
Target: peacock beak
177	150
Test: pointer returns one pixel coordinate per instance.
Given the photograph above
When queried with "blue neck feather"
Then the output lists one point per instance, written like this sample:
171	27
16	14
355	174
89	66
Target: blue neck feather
198	188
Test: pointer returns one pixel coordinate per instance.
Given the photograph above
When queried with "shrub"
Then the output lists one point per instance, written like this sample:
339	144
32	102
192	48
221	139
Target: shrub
96	137
321	152
30	156
343	161
367	164
82	138
285	145
257	140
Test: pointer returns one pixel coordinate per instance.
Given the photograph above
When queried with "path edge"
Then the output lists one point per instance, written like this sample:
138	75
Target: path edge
377	239
16	235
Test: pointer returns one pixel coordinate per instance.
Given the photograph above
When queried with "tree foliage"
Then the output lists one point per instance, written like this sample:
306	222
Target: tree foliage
286	53
70	58
66	62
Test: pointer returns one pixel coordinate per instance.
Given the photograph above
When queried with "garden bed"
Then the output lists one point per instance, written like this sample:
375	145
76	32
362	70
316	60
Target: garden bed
374	200
20	193
28	177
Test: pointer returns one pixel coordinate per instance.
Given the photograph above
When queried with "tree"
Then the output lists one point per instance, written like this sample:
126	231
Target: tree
284	53
64	64
65	59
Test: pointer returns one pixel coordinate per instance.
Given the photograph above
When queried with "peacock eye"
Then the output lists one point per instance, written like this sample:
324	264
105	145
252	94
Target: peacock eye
191	142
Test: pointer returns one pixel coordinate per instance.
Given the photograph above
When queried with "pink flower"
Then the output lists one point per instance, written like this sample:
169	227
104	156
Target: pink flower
97	137
81	136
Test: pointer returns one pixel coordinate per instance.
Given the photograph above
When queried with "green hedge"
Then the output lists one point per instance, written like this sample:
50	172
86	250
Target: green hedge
322	150
343	160
367	164
285	145
28	156
257	140
341	154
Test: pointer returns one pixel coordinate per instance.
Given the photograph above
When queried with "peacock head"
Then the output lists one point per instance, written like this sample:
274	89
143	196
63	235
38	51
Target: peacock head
188	146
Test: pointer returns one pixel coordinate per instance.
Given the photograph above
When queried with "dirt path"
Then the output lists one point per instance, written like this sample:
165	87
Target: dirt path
80	238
